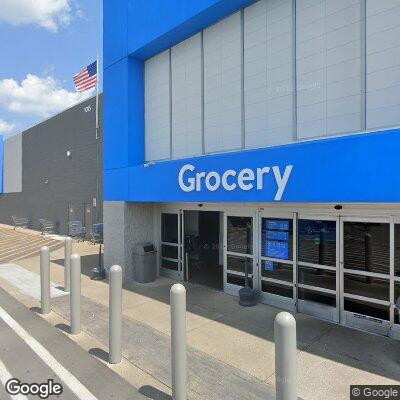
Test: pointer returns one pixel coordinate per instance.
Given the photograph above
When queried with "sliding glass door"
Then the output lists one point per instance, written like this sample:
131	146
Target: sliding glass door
318	267
171	251
239	254
366	273
277	253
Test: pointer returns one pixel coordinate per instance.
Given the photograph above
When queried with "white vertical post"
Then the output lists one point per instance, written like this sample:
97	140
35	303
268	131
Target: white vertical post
45	280
67	256
285	356
75	295
115	319
178	342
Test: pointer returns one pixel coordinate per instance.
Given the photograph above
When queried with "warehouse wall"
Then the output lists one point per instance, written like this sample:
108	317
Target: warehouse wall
54	184
12	164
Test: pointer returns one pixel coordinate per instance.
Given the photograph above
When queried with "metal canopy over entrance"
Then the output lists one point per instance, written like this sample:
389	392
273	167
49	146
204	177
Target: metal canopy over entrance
344	269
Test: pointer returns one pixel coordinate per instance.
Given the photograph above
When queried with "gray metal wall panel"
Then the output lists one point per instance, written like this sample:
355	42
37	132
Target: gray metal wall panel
157	107
71	180
222	85
186	65
12	173
383	63
329	67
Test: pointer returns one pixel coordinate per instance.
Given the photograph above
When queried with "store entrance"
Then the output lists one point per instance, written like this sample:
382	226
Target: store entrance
203	235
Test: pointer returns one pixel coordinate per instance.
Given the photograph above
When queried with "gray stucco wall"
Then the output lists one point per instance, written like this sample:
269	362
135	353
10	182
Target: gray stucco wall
12	172
126	223
52	182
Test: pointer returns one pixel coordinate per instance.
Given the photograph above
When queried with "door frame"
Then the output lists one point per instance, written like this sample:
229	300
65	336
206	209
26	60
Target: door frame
244	212
394	328
269	298
360	321
314	309
179	274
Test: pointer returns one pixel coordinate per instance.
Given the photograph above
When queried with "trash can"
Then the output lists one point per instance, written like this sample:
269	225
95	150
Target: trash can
144	262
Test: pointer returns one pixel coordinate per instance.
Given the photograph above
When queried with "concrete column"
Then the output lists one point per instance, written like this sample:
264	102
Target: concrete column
115	319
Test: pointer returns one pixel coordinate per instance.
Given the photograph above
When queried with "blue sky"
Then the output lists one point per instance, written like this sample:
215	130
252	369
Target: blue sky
41	49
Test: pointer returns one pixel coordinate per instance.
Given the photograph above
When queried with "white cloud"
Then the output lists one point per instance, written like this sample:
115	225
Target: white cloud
49	14
6	127
37	96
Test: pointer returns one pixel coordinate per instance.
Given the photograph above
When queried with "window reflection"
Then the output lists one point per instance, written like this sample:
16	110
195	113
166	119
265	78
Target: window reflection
317	277
397	250
240	235
366	286
317	242
366	246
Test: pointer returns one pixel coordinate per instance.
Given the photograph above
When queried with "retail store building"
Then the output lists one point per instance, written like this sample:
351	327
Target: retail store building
53	170
261	133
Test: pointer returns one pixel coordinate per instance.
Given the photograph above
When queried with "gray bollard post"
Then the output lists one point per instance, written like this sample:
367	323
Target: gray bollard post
285	356
75	294
115	319
178	342
45	280
67	256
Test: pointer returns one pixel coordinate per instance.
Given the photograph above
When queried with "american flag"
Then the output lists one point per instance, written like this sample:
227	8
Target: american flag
87	79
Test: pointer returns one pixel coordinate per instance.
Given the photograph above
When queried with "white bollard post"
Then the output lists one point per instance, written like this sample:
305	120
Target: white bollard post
75	294
45	280
115	319
67	256
285	356
178	342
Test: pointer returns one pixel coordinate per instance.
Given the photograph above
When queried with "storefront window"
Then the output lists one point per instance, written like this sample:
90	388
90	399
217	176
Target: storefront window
168	264
238	280
397	302
169	228
276	270
366	286
317	277
277	289
367	246
238	264
317	242
169	251
317	297
240	235
277	238
366	308
397	249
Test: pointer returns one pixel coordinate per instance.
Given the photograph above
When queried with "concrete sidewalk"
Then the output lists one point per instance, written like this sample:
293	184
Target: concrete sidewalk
226	340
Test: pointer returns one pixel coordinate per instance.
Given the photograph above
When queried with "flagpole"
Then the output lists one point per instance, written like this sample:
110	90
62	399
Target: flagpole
97	95
97	139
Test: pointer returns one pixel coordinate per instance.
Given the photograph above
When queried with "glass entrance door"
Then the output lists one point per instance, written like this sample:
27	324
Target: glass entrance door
318	267
238	251
171	245
366	271
278	259
395	288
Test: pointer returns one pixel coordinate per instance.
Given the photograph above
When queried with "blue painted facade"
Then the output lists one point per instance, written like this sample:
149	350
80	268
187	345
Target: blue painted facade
356	168
1	163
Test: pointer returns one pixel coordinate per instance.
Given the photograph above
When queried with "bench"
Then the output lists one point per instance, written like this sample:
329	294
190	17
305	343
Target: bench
76	230
47	227
20	222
